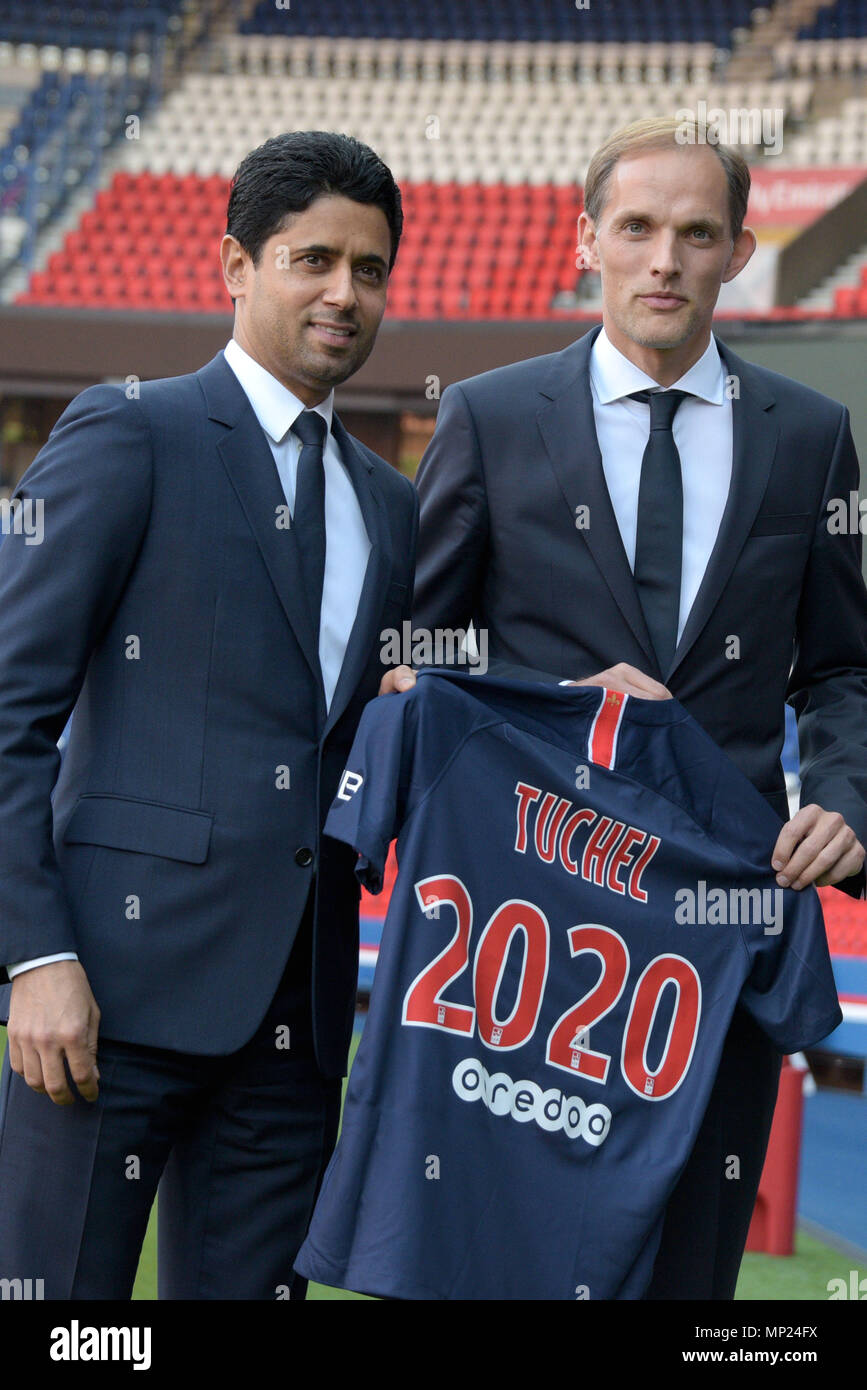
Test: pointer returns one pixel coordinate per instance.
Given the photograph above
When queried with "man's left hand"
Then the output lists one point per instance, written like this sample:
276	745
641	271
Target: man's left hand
817	847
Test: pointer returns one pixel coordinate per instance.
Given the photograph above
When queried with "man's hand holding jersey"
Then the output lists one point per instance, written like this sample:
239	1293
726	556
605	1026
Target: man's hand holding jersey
816	846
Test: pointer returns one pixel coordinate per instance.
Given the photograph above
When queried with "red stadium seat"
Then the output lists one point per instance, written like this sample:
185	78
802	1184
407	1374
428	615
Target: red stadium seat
475	249
846	301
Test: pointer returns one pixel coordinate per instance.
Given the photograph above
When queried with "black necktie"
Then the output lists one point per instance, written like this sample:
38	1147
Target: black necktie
308	517
659	534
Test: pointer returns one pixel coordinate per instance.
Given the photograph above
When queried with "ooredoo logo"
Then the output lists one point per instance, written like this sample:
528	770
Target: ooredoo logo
524	1101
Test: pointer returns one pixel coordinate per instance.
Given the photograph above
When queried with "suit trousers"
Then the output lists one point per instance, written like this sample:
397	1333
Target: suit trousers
237	1145
707	1217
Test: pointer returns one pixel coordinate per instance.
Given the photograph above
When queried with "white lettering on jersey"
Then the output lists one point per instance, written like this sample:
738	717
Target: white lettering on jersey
349	785
524	1100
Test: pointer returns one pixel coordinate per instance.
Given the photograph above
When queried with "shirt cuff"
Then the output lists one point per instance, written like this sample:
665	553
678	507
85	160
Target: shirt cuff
22	965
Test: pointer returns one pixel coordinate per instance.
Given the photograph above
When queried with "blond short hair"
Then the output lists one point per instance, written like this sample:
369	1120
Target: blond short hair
664	132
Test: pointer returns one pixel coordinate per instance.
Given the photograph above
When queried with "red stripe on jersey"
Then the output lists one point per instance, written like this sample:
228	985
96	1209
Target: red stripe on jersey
602	744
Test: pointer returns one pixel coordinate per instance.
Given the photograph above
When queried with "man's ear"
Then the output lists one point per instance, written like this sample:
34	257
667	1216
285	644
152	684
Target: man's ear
742	250
587	242
234	260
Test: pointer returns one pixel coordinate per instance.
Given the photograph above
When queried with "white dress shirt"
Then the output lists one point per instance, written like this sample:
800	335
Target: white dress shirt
702	433
347	545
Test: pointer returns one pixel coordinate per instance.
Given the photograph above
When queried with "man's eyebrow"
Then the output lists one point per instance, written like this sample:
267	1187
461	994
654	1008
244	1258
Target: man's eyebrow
320	250
709	224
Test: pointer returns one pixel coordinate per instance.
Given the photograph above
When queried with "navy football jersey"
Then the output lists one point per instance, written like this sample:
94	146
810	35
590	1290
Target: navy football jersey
584	894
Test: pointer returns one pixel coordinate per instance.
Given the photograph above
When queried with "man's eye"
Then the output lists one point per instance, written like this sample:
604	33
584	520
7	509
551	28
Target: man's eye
635	226
701	232
372	272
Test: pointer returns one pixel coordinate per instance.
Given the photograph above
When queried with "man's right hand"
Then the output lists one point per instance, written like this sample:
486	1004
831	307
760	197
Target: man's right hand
53	1017
629	679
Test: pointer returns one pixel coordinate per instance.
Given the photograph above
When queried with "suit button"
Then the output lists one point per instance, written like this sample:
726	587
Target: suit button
304	857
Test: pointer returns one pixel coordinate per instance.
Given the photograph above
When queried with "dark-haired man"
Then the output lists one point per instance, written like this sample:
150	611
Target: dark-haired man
219	558
644	510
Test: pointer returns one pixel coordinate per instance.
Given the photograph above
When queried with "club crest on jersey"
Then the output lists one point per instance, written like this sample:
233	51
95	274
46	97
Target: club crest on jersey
602	743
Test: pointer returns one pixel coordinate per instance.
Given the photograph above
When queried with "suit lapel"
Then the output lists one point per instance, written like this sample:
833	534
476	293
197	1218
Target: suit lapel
568	430
754	442
250	465
248	460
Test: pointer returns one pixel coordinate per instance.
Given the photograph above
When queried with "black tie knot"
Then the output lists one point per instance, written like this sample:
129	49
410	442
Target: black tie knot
663	406
310	428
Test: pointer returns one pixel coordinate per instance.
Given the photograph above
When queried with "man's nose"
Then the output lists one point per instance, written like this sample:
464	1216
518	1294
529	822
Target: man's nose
340	289
665	255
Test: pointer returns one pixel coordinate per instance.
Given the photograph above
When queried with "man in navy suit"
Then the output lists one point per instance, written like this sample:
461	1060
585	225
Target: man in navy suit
647	511
219	559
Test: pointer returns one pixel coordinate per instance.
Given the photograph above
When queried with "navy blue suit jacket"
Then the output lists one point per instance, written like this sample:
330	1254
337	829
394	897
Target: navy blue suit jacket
513	458
165	605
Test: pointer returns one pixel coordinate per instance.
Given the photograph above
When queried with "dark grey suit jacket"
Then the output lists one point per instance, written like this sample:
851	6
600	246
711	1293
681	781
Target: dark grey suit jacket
514	457
167	607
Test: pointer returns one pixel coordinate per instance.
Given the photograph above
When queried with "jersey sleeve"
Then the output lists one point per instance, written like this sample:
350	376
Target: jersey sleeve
790	991
370	804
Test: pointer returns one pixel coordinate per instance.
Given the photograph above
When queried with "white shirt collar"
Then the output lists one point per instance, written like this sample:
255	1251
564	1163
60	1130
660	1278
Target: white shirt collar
614	376
275	406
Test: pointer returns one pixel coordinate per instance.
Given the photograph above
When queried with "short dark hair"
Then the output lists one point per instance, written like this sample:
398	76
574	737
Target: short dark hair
290	171
662	132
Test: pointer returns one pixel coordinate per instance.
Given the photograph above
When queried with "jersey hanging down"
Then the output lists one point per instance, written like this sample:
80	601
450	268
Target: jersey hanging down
584	894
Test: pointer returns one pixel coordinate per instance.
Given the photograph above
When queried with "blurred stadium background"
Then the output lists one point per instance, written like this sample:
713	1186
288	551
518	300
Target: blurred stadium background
121	125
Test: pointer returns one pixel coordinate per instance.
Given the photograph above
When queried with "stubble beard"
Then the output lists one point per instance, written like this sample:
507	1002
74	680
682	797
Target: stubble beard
660	335
332	371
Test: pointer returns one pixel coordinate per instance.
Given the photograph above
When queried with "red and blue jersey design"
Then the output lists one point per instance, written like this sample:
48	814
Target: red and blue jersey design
584	895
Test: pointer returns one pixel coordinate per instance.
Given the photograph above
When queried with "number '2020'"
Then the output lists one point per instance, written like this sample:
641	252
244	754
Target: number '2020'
568	1046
